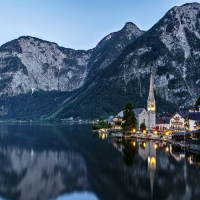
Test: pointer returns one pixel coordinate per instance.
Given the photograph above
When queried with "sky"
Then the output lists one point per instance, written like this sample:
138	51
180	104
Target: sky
77	24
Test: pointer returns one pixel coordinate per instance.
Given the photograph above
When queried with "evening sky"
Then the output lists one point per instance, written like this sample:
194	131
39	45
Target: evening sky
77	24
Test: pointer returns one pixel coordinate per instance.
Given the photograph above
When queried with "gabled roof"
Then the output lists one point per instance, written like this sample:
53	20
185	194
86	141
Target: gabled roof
182	114
138	111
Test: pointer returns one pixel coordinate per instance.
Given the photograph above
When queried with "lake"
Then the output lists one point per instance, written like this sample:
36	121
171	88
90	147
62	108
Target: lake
66	162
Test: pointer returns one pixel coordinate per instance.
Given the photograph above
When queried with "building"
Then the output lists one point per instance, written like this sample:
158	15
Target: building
177	121
197	125
141	116
115	122
191	121
151	106
162	123
185	121
146	116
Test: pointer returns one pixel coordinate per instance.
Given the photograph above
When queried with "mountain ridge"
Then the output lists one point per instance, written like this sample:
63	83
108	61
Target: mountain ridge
97	82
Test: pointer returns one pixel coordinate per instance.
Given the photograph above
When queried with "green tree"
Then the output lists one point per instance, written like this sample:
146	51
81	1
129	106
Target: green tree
129	117
143	127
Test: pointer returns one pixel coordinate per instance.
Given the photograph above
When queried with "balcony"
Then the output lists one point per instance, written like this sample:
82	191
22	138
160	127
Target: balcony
177	123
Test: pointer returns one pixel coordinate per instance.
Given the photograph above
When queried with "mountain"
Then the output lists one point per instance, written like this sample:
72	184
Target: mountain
43	75
98	82
29	63
170	50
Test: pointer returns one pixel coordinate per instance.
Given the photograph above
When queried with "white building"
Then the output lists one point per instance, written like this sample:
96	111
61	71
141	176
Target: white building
151	106
184	121
177	121
146	116
191	119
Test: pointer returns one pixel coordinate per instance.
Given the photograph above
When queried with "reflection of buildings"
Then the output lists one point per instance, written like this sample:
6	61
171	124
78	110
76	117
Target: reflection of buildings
176	152
193	160
148	152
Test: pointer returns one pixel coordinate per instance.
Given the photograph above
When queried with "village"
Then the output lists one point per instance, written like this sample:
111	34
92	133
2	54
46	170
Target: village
181	126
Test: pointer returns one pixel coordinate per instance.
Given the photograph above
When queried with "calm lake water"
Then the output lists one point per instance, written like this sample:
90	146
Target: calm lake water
66	162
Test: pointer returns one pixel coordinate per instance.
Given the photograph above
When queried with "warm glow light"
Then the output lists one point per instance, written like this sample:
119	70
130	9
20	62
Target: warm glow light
134	130
144	144
155	132
155	146
153	161
167	149
144	131
167	133
134	143
104	136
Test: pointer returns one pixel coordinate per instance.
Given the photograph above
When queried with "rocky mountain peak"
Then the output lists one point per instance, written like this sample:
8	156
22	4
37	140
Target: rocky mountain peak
131	26
132	30
176	25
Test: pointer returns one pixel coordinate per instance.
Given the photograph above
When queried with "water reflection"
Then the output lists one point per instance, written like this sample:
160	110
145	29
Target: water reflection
28	173
21	171
67	162
160	170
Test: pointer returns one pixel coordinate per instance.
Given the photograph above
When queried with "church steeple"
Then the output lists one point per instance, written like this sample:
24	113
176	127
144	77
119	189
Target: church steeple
151	93
151	103
151	106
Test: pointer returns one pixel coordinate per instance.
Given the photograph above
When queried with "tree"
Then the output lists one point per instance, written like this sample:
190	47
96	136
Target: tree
129	117
197	103
129	153
143	127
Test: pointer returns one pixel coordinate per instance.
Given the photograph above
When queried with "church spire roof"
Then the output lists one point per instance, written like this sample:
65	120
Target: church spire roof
151	92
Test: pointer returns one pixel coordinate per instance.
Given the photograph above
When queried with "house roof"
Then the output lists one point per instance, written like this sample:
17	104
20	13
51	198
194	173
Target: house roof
162	120
138	111
194	115
121	114
196	132
182	114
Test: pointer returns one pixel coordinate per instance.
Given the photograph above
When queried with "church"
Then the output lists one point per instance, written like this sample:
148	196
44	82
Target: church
146	116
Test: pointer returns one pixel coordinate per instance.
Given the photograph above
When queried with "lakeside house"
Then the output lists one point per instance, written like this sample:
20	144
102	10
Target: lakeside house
177	121
115	122
192	120
162	123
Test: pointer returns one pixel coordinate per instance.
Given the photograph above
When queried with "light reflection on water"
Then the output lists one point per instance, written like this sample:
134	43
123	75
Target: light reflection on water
60	161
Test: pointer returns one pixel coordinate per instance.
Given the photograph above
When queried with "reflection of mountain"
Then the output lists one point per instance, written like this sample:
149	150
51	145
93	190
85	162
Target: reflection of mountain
31	175
77	162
